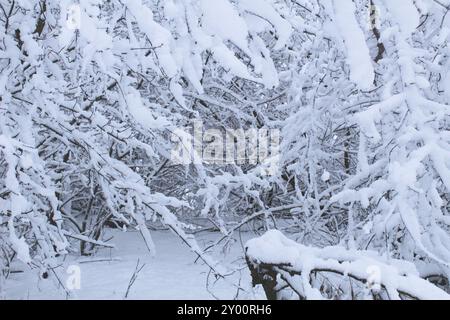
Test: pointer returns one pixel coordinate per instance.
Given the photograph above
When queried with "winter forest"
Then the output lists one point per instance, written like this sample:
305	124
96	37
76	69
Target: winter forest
225	149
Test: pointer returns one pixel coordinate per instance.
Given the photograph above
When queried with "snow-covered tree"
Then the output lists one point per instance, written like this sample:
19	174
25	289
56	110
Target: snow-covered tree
401	182
91	91
95	95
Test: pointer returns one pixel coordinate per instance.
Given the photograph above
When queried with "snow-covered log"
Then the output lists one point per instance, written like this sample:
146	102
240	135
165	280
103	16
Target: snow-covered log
279	263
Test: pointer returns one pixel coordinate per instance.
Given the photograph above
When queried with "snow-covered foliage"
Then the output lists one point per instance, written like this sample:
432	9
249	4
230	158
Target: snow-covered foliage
95	94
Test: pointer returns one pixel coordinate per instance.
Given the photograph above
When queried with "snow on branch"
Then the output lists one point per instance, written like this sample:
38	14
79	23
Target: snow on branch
296	265
358	57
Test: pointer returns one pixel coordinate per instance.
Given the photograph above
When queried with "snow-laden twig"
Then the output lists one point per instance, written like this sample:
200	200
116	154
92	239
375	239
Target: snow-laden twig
134	276
87	239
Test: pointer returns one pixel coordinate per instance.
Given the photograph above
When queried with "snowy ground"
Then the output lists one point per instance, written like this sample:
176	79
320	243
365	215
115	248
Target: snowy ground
172	274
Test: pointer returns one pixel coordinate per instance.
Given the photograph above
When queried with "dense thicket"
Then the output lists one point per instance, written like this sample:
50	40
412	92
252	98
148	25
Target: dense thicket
95	94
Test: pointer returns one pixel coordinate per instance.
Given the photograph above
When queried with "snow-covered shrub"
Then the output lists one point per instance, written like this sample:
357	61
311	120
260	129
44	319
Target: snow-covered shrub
90	94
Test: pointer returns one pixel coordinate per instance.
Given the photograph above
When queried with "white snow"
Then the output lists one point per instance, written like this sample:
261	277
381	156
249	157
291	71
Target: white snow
102	102
395	275
172	274
142	113
265	12
325	176
405	13
358	57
